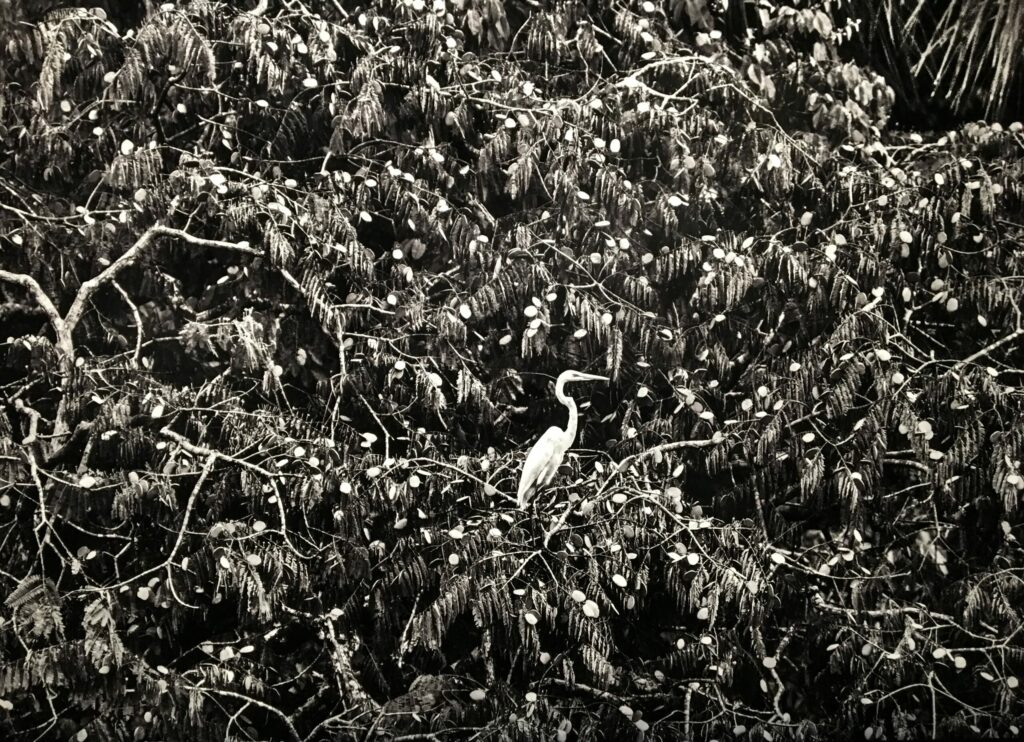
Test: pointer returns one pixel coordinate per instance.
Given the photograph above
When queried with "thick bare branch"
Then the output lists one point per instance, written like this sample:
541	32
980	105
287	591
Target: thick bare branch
64	326
132	255
341	658
45	303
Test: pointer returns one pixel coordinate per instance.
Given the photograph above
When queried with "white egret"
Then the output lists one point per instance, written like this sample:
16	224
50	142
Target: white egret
547	453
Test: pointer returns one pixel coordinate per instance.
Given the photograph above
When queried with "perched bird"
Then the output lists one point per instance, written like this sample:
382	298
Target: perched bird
547	453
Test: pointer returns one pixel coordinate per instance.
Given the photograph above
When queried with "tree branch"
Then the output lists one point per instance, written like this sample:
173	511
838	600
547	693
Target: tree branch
910	463
595	692
620	466
1017	332
132	256
58	323
64	327
665	447
819	602
207	468
341	658
138	321
197	450
285	719
33	421
179	539
991	347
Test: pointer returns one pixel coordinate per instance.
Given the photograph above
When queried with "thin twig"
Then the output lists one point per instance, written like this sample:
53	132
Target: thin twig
819	602
198	450
285	719
622	465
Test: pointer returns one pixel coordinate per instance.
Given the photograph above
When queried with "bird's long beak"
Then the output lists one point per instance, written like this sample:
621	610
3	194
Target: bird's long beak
591	377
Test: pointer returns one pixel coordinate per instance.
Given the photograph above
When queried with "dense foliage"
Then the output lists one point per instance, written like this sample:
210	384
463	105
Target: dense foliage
284	289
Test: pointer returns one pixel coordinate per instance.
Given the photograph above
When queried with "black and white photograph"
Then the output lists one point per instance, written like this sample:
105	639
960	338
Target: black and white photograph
511	370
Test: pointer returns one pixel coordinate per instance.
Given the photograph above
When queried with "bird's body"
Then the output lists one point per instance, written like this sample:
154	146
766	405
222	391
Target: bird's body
548	452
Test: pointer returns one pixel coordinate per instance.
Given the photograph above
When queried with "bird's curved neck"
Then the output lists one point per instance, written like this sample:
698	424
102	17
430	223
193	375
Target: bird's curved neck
571	404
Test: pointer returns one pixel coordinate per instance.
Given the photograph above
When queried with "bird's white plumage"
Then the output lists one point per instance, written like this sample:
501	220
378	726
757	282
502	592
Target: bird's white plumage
542	463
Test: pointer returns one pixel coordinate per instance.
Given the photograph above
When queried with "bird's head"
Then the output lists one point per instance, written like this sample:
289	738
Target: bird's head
571	375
